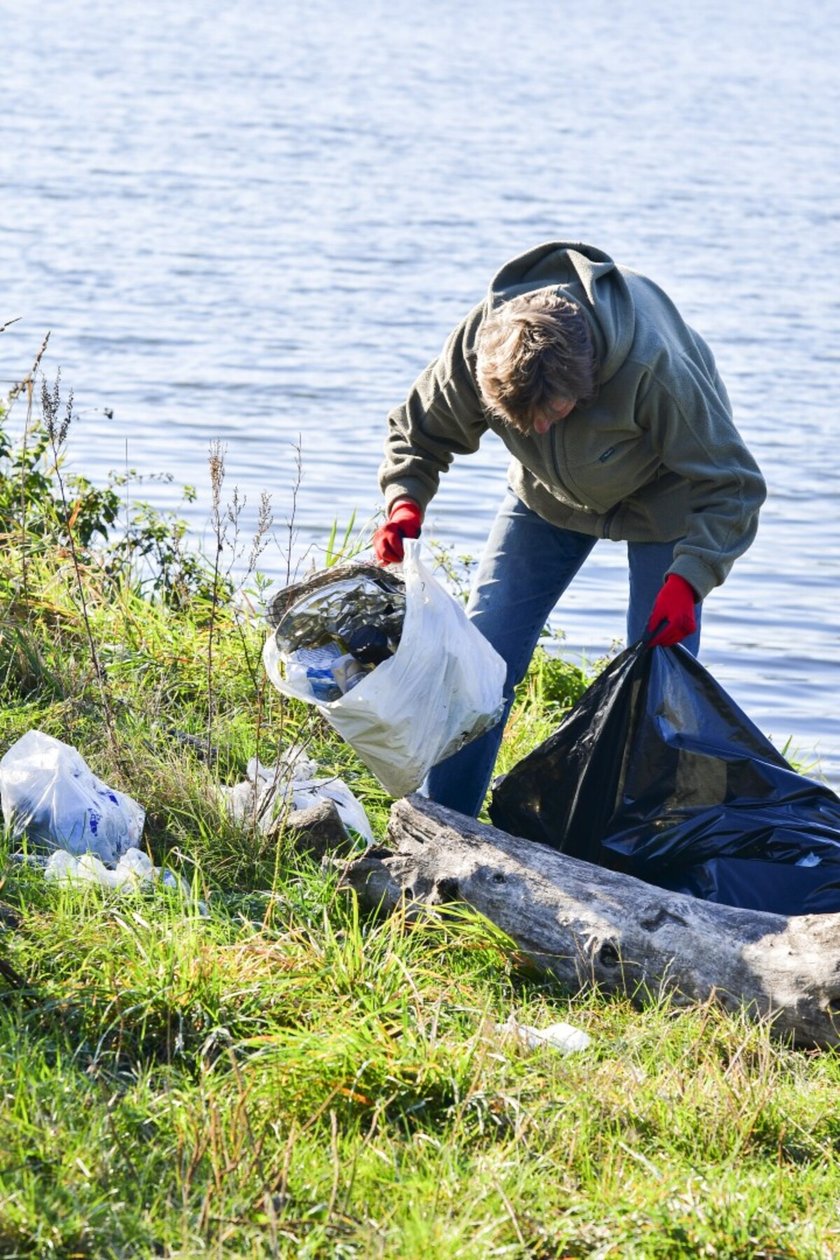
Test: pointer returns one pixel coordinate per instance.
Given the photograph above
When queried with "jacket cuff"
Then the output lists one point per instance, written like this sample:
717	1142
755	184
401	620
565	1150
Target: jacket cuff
407	489
696	573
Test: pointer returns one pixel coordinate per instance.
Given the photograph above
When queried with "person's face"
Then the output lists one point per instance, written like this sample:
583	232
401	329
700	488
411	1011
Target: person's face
552	413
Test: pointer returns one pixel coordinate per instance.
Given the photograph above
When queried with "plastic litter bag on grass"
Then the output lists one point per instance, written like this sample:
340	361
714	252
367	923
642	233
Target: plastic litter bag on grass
48	792
134	869
440	687
658	773
270	791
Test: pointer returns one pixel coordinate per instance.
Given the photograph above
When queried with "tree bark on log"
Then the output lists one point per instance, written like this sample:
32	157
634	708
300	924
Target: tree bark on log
588	926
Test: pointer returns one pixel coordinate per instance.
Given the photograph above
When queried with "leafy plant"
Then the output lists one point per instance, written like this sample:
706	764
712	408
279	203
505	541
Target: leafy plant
42	511
552	683
31	507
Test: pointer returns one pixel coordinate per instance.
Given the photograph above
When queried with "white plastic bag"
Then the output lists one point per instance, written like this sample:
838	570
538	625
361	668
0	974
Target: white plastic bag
135	869
268	791
48	792
440	689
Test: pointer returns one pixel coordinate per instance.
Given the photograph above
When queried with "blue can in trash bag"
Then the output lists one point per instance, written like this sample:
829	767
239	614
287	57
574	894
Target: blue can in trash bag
327	672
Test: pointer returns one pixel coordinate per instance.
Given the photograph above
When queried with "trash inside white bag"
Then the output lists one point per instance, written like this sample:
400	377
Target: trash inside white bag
48	792
440	689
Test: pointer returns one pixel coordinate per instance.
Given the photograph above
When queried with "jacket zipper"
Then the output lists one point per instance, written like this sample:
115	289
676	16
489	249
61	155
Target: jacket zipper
608	520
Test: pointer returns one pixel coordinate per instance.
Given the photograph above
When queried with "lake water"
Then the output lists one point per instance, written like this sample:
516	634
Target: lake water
256	223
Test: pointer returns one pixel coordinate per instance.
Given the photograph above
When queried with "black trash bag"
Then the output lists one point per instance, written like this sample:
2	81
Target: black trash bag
656	772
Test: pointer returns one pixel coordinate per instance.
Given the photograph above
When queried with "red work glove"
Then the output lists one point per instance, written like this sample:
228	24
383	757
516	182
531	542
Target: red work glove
404	521
675	606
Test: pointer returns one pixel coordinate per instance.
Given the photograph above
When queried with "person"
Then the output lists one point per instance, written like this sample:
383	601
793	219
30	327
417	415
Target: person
619	428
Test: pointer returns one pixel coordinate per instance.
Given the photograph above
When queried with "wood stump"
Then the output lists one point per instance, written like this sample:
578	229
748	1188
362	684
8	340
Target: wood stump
588	926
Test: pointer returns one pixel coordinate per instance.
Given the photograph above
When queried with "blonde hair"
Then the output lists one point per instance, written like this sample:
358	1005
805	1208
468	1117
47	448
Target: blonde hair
532	351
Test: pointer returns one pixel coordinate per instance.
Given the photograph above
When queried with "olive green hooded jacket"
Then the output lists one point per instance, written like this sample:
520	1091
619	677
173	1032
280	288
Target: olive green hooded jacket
655	457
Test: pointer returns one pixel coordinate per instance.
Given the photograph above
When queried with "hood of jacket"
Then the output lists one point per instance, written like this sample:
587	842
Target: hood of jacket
585	275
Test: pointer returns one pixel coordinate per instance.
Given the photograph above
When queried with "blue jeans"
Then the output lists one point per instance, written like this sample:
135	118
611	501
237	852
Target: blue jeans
526	566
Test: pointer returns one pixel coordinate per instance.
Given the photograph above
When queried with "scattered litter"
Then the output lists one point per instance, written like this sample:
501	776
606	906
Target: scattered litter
197	744
563	1037
48	793
270	791
134	869
420	682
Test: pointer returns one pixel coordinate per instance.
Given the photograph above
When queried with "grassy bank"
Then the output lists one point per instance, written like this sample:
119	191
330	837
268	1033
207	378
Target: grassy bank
249	1067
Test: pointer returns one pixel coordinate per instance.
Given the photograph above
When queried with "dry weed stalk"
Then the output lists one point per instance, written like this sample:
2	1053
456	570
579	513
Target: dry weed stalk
27	387
226	525
217	477
57	427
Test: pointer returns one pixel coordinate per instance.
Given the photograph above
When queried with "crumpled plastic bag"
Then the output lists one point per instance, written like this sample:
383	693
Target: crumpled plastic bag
48	793
441	687
269	791
133	870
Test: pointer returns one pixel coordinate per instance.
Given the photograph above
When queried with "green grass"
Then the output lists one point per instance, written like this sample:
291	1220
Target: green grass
306	1083
253	1068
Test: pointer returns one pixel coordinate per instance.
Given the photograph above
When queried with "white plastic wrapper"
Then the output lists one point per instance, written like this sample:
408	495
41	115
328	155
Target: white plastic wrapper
48	792
563	1037
440	689
292	783
134	870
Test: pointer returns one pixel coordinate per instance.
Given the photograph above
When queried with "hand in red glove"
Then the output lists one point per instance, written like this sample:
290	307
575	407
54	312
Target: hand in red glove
404	521
675	606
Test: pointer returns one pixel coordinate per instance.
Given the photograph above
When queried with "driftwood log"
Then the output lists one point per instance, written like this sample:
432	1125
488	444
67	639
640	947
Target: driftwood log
588	926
